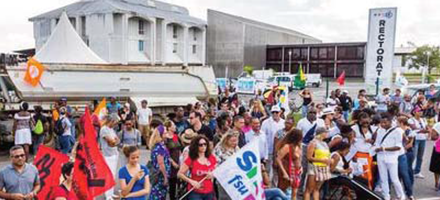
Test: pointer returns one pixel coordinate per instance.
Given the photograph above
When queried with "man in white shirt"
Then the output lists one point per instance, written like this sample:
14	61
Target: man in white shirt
270	127
256	133
388	147
308	127
145	115
383	101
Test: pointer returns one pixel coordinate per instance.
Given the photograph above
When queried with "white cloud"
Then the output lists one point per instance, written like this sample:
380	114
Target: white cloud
329	20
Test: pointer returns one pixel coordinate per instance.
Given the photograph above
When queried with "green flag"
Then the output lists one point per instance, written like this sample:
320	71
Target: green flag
300	78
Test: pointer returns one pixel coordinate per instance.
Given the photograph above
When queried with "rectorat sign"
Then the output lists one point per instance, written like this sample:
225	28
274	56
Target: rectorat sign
380	47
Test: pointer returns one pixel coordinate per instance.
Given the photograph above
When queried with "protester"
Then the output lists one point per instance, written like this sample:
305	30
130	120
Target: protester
397	97
383	101
420	126
346	104
129	136
145	115
346	135
222	129
63	191
247	122
173	145
41	128
318	170
161	165
405	159
22	127
434	166
195	119
200	163
388	145
406	106
337	166
113	106
227	147
109	141
330	124
238	127
288	125
431	93
134	177
257	110
307	100
19	180
257	134
270	127
66	139
288	159
332	101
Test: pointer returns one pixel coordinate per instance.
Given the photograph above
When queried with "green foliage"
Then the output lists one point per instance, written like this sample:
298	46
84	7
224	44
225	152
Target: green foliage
420	57
248	69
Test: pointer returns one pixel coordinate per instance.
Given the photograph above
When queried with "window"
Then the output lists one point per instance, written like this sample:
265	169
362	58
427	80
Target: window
194	49
73	22
141	45
314	53
274	54
322	53
174	31
141	27
83	25
195	35
174	47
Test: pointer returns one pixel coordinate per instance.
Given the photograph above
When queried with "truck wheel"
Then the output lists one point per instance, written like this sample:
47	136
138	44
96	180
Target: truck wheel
315	84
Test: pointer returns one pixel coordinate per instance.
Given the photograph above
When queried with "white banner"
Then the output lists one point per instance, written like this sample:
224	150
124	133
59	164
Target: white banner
380	47
240	175
245	86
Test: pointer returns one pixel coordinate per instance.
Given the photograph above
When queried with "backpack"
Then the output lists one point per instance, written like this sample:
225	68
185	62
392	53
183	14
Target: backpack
59	128
39	129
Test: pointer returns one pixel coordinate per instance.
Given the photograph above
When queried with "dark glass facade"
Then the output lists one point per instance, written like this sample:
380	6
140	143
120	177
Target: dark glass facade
330	60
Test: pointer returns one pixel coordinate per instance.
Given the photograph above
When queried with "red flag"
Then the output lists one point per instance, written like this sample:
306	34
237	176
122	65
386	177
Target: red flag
92	177
341	79
49	163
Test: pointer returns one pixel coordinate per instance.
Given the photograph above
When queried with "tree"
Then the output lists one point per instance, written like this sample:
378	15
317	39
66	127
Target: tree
419	57
248	69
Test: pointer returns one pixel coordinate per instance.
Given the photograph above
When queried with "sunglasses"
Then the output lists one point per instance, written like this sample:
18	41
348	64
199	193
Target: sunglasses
19	156
203	144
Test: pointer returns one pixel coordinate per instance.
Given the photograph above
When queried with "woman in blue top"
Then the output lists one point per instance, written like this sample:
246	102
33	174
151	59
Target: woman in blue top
133	177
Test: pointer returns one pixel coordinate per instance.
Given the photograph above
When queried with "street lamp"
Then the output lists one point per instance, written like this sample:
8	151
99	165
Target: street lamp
428	54
290	61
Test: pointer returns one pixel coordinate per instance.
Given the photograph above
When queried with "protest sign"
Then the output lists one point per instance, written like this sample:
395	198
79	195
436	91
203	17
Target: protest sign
240	174
246	85
49	162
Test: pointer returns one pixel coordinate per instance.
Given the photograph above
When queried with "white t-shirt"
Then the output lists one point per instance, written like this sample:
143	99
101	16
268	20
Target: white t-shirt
305	125
271	127
382	102
359	143
144	115
420	125
262	142
332	103
393	139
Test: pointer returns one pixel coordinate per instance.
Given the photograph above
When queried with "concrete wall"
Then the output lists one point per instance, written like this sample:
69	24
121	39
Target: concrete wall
235	42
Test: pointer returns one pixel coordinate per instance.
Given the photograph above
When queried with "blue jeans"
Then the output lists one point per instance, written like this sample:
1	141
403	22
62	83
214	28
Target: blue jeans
200	196
410	160
405	173
304	110
66	143
36	141
419	150
275	194
345	114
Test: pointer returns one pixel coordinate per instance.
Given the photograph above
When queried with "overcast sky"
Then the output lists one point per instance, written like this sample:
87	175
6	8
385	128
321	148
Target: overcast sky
329	20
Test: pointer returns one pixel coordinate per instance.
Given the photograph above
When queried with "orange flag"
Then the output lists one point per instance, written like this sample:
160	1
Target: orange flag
34	72
101	109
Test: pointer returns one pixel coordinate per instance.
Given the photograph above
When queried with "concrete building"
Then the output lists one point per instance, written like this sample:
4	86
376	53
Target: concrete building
132	31
233	42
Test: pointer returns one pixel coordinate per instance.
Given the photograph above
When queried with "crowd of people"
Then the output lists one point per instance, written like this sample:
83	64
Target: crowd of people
312	154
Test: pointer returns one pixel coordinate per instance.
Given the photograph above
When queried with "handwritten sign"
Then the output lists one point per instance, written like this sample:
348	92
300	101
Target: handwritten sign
49	163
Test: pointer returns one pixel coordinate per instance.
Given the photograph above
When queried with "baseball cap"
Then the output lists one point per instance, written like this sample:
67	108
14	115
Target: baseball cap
275	109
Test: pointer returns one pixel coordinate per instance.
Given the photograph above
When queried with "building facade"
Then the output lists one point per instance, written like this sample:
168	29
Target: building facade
132	31
327	59
234	42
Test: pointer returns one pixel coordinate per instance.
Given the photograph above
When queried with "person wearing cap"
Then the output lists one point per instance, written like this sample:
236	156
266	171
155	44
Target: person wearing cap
270	127
319	160
419	125
109	145
330	124
186	137
346	104
113	106
383	101
388	146
144	116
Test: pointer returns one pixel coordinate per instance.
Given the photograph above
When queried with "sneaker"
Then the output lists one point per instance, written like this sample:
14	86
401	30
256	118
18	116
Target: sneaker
419	175
411	198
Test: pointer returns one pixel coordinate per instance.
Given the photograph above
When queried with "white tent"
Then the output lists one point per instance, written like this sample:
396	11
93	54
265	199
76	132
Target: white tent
66	46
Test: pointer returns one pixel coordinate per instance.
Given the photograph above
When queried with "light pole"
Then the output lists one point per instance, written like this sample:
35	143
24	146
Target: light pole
428	54
290	61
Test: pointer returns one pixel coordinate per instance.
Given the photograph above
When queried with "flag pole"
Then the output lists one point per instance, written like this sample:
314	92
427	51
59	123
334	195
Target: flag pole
186	194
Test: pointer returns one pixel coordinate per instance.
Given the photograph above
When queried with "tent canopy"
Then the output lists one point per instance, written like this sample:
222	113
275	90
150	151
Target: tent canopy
66	46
